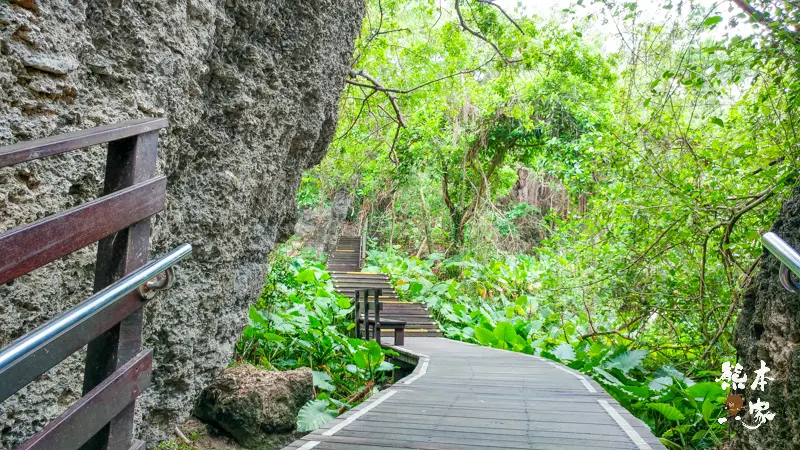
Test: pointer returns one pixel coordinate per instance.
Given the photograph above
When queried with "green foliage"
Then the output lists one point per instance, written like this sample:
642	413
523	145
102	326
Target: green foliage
313	415
501	304
671	153
300	321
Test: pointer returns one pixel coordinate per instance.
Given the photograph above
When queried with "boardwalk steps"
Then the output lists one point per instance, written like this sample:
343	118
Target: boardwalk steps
344	267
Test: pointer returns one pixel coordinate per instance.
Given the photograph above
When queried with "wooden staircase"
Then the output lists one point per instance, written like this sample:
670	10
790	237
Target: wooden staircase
344	265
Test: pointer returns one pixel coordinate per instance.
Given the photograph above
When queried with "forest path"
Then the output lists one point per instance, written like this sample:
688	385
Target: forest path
464	396
345	264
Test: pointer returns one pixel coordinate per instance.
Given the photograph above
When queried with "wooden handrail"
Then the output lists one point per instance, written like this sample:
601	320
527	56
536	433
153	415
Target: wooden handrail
32	246
115	371
49	146
93	411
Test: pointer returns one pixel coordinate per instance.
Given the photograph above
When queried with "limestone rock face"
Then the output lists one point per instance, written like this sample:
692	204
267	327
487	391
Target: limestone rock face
319	228
768	329
250	88
257	407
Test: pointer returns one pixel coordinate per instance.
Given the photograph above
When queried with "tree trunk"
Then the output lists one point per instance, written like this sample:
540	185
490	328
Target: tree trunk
768	329
457	238
425	219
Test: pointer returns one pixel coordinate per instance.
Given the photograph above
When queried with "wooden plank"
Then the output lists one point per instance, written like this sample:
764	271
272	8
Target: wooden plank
49	146
31	246
478	397
94	410
130	161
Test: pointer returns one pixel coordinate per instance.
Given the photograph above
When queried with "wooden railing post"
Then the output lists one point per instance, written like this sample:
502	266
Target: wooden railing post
358	318
378	315
366	315
362	247
130	161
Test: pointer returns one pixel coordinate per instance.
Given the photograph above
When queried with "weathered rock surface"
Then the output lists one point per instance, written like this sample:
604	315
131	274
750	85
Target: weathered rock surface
768	329
257	407
320	227
251	90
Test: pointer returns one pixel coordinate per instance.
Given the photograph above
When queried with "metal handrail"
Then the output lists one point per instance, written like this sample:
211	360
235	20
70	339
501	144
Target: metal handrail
24	346
789	258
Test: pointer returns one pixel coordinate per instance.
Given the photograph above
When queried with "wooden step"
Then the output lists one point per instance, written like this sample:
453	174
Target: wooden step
409	308
414	333
365	286
359	274
360	286
352	292
360	280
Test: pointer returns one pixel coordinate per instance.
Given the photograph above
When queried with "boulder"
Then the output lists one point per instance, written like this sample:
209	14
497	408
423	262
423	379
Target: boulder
257	407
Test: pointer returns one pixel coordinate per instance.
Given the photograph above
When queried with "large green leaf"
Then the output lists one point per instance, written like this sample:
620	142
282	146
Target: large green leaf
707	409
607	377
485	336
360	359
668	411
386	366
307	276
701	391
639	391
628	360
343	303
505	332
564	352
257	319
313	415
322	380
272	337
660	383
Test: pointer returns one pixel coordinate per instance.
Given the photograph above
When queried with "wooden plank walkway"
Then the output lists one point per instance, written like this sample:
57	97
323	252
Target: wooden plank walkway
463	396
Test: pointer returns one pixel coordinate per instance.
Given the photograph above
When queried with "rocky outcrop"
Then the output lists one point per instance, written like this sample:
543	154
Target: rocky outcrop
319	227
768	329
257	407
251	90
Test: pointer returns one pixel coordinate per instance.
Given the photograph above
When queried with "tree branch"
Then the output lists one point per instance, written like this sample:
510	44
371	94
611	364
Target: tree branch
376	85
480	36
614	331
491	2
754	14
420	86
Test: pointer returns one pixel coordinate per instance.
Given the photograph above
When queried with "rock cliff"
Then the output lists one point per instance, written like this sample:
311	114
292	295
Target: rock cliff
768	329
251	90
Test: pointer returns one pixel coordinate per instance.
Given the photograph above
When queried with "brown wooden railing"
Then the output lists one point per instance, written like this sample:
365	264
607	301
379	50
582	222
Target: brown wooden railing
362	316
362	249
110	322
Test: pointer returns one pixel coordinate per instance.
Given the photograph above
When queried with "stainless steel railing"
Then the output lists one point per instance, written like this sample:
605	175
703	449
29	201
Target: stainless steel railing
139	279
789	258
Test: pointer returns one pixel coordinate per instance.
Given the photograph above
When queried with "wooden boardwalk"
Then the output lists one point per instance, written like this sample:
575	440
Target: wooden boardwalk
463	396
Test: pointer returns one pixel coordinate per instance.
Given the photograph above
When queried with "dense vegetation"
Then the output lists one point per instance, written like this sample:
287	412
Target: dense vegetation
589	186
300	321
